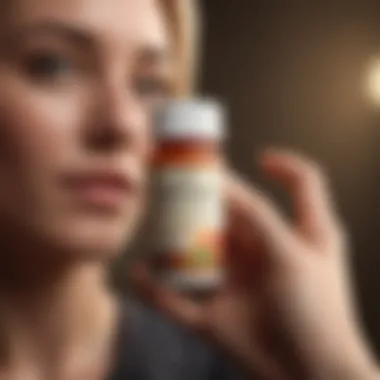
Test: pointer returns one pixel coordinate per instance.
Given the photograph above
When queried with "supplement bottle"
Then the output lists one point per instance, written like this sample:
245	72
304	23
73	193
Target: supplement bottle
188	199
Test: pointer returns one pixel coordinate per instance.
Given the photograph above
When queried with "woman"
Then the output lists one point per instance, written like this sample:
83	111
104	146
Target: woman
79	79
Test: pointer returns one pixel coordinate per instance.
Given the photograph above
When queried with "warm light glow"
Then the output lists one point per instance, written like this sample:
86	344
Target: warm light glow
373	81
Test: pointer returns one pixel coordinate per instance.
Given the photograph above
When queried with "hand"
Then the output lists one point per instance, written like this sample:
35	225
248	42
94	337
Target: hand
285	311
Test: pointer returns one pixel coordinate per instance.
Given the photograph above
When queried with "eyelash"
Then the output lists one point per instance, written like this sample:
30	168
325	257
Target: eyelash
47	65
152	87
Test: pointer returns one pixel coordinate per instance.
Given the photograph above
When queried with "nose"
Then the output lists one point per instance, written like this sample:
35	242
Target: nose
117	121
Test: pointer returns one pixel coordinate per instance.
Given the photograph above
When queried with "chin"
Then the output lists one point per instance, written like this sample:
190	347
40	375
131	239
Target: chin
93	240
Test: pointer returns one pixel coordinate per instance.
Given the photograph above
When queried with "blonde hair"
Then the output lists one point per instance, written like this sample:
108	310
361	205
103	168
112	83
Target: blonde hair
184	25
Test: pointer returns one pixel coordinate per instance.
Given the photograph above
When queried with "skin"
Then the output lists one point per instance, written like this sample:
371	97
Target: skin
79	81
285	311
69	105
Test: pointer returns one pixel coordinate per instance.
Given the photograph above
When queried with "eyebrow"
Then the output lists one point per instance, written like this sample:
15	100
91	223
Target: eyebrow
154	55
70	32
150	53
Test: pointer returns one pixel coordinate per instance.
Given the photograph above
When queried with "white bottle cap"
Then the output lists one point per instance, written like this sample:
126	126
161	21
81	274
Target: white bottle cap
190	119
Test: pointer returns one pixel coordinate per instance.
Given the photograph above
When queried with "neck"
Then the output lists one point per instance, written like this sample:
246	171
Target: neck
54	320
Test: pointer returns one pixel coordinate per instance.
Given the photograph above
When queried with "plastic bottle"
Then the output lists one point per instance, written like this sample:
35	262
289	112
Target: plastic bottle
188	210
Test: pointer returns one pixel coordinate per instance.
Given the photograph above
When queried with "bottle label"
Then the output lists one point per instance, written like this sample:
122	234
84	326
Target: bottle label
189	218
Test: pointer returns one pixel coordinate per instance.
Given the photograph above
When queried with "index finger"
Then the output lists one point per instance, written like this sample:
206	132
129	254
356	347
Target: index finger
314	208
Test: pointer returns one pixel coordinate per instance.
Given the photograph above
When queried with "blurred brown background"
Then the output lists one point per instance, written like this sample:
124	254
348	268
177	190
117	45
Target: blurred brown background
293	74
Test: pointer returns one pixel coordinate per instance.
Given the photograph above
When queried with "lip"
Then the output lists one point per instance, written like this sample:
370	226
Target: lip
102	189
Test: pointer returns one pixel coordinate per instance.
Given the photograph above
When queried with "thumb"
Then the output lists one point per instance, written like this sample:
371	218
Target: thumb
174	305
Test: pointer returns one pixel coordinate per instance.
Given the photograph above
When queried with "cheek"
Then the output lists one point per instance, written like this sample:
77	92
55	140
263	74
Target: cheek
35	129
37	137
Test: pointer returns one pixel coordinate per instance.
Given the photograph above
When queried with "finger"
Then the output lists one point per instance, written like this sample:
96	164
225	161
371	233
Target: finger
312	202
244	253
172	304
261	215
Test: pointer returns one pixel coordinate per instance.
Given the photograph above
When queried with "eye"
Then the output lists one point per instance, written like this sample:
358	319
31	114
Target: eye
152	87
47	65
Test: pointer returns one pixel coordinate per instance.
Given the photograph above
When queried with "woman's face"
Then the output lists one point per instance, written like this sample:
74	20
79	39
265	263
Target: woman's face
78	82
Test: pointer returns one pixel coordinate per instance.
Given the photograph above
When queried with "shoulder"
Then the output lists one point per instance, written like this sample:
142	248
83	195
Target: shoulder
153	348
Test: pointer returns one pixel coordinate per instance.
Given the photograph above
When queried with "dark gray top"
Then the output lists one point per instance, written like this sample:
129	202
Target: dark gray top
152	348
